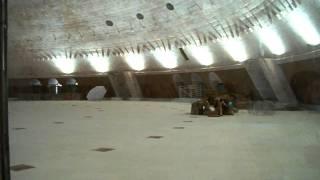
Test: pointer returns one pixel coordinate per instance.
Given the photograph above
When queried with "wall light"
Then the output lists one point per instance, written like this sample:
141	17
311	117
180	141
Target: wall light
302	25
202	54
235	49
168	59
135	61
271	39
66	65
99	63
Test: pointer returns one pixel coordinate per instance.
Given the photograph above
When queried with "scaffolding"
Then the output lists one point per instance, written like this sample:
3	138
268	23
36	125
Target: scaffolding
191	90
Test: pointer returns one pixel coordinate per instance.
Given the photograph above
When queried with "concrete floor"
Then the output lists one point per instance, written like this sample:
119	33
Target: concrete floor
59	138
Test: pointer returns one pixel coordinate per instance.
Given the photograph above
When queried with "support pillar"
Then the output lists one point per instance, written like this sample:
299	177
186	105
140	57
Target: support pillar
133	85
259	80
214	80
119	85
125	85
278	81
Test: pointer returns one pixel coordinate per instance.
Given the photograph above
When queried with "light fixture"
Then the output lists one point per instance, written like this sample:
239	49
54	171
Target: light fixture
271	39
66	65
168	59
99	63
302	25
109	23
202	54
135	61
140	16
235	49
170	6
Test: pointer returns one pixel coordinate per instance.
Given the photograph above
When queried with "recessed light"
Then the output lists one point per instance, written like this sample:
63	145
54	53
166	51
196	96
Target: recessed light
109	23
170	6
140	16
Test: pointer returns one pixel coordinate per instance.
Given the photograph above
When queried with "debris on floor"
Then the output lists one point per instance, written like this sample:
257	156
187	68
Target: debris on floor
103	149
178	127
215	106
155	137
21	167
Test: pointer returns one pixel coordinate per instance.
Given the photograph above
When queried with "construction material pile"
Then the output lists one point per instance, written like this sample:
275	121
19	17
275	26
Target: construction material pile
215	106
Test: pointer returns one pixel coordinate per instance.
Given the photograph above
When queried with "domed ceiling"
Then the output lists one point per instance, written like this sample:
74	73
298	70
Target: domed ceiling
40	31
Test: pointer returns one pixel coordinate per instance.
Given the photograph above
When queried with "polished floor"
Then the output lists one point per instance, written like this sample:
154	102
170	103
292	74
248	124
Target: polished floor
117	140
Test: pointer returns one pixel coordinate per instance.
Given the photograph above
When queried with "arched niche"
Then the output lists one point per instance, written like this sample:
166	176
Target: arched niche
71	85
54	86
36	86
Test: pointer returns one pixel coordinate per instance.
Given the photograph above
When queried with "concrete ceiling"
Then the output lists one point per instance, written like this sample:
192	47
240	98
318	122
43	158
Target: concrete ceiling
39	30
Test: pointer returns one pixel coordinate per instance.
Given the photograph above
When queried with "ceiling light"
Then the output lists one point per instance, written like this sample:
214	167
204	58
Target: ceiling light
202	54
109	23
235	49
170	6
168	59
302	25
99	63
272	40
53	82
140	16
66	65
135	61
35	82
